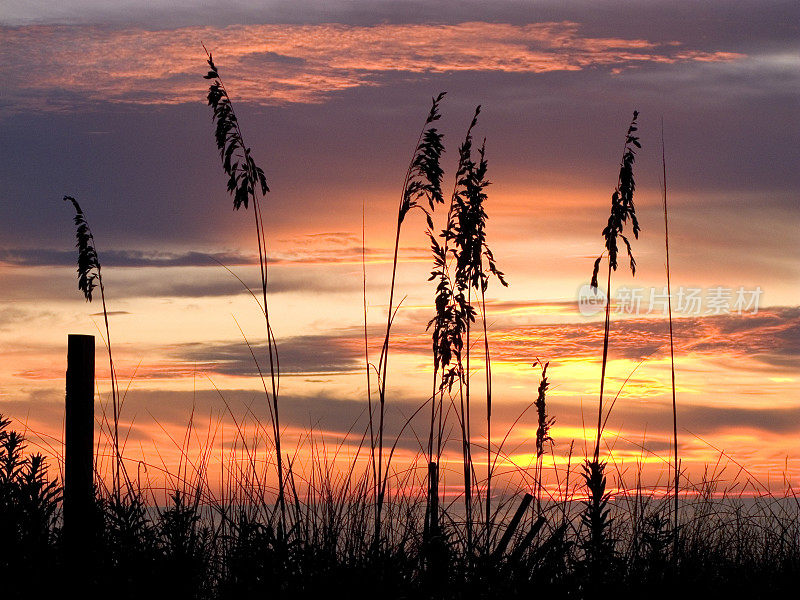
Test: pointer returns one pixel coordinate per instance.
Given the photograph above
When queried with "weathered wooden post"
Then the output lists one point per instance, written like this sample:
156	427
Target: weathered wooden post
512	526
434	545
433	497
79	444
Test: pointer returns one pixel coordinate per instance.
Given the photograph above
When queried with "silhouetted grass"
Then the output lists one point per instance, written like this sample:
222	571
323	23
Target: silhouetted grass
622	211
245	181
598	544
676	463
422	186
199	545
462	265
90	277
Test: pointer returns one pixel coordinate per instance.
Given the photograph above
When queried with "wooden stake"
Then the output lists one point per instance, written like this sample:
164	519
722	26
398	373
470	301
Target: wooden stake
79	443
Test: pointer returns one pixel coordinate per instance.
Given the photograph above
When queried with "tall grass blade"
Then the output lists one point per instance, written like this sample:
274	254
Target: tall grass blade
245	181
676	467
422	186
90	277
622	210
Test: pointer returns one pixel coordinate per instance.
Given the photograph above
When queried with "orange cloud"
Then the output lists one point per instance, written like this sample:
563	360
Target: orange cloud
272	64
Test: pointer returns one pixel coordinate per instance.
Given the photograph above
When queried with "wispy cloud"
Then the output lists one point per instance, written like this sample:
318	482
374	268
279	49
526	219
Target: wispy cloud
57	66
44	257
772	336
769	340
310	249
301	354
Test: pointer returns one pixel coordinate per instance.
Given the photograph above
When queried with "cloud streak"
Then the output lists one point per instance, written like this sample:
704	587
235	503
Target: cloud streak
772	338
56	66
309	249
318	354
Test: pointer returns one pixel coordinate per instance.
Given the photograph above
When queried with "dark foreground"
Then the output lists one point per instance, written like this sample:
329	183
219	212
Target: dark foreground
193	550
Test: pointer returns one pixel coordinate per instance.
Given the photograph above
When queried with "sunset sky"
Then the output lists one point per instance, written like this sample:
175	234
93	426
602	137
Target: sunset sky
106	102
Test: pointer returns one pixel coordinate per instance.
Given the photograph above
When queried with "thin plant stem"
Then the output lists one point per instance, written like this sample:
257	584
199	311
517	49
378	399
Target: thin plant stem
366	341
489	463
671	351
114	397
606	332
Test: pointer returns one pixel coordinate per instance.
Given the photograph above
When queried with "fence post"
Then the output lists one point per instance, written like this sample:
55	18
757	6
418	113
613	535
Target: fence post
79	445
433	497
512	526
